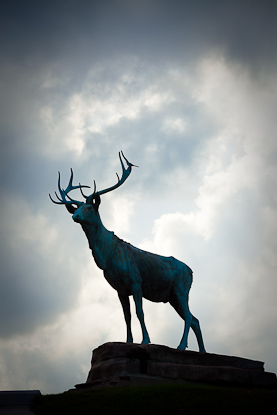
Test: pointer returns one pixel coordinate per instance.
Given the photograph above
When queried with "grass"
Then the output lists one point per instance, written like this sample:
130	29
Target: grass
160	399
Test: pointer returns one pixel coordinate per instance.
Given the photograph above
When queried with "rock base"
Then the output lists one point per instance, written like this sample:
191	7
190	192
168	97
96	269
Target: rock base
125	364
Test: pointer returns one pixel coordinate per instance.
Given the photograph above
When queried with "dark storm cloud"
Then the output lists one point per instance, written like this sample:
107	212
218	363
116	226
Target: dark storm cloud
88	30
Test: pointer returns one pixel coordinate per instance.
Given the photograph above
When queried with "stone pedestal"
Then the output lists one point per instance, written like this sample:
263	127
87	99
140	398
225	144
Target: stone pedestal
139	364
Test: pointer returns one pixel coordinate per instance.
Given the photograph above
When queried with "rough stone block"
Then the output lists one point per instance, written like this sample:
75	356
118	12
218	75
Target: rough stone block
113	362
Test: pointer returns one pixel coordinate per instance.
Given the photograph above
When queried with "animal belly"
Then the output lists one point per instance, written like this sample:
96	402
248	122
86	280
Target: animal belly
156	289
157	297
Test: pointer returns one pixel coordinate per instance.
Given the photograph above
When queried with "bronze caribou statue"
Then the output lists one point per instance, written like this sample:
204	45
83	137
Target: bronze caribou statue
129	270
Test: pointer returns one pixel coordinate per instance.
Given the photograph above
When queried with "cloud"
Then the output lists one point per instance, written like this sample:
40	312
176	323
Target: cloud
37	280
226	238
188	92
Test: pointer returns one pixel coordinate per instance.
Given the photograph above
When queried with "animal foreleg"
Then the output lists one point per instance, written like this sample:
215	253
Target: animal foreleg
138	302
124	299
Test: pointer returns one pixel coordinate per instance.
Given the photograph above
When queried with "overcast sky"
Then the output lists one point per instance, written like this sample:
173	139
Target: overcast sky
188	91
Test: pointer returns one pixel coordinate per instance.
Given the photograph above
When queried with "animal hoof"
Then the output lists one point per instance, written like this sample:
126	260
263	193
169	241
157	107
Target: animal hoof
181	347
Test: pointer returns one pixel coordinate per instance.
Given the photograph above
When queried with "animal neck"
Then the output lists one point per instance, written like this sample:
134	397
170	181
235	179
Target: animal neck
100	242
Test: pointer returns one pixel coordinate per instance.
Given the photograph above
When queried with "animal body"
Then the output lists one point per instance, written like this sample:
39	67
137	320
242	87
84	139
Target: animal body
129	270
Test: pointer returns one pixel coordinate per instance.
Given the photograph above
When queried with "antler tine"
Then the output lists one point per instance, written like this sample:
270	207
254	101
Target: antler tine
58	197
64	193
54	201
129	164
76	202
59	182
70	185
63	200
86	197
125	174
82	192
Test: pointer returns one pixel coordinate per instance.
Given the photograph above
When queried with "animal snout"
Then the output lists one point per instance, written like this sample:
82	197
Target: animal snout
76	217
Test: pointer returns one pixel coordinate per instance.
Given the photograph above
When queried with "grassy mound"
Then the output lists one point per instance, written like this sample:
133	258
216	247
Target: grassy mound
160	399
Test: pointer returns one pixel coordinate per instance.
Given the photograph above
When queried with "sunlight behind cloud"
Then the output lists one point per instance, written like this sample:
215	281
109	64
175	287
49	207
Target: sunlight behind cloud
121	209
91	113
174	124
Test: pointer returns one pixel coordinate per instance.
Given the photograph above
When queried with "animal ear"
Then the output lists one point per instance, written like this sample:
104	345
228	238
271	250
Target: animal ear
70	209
96	202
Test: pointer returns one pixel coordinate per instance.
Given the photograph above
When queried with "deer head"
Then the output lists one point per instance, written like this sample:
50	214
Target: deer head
87	212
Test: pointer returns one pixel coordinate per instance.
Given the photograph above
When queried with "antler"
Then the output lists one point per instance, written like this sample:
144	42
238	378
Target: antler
125	174
64	194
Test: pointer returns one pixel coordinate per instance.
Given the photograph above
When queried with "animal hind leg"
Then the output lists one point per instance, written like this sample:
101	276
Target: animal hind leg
187	317
196	328
180	303
125	302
